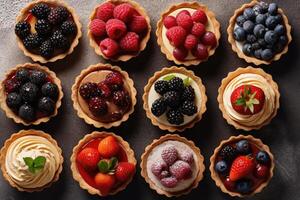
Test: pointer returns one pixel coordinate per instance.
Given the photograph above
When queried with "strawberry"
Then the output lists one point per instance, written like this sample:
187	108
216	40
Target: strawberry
104	182
124	171
108	147
241	167
88	158
247	99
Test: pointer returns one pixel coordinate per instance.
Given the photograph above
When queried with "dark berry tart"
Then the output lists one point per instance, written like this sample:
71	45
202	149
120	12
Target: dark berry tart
174	99
47	30
30	94
259	32
103	95
246	171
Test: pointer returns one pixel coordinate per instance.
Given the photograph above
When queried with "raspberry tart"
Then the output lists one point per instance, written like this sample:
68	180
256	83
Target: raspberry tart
174	99
248	98
47	30
259	32
31	160
188	33
172	165
242	166
104	95
119	29
30	94
103	163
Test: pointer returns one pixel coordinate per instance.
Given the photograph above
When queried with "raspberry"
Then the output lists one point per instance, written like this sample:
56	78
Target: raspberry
180	53
105	11
158	167
176	35
175	117
58	15
105	89
169	154
32	41
46	105
40	10
169	22
169	182
183	12
88	90
172	99
109	47
69	28
12	85
22	29
114	80
209	39
123	12
121	98
158	107
199	16
187	157
188	108
228	153
97	106
115	28
130	42
97	27
188	93
181	170
46	49
198	30
138	24
185	21
200	52
176	84
13	100
161	87
164	174
190	42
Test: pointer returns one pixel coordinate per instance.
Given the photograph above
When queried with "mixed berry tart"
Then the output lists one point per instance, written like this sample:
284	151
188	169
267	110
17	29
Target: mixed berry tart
104	95
31	160
174	99
30	94
248	98
259	32
172	165
103	163
188	33
242	166
47	30
119	29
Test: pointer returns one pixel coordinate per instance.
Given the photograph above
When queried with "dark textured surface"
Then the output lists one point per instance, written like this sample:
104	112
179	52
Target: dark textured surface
282	135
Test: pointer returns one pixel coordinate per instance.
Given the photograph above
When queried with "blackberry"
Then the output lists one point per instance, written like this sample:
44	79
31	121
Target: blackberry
68	28
188	108
172	99
12	85
43	27
58	15
22	75
13	100
158	107
22	29
188	93
176	84
29	92
121	98
27	112
228	153
50	90
46	105
38	77
60	41
161	87
32	41
40	11
174	117
88	90
98	106
46	49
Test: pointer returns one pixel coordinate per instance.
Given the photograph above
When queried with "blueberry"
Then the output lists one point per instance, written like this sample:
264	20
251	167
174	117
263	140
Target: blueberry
243	147
262	42
37	77
261	18
271	22
29	92
13	100
279	29
283	40
22	75
278	18
46	105
248	26
273	8
249	14
259	30
244	186
267	54
240	20
27	112
247	49
50	90
221	167
239	34
264	6
257	9
251	38
257	53
271	37
255	46
262	157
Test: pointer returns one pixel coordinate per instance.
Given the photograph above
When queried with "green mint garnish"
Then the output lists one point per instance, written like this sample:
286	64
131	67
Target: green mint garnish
169	77
187	82
108	166
35	164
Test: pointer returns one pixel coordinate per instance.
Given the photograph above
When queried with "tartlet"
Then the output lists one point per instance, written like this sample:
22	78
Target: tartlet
256	147
243	77
114	114
50	78
125	153
185	147
25	138
165	46
123	56
26	15
253	59
199	98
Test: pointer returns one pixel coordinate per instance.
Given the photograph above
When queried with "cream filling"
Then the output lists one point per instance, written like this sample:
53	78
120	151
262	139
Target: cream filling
269	105
31	146
166	42
155	155
153	95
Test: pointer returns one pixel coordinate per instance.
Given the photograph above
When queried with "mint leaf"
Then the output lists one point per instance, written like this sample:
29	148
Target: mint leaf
240	102
39	162
169	77
103	166
187	82
112	163
30	163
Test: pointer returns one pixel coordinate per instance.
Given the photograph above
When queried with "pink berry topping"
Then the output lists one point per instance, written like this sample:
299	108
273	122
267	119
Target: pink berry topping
180	53
209	39
105	11
138	24
169	182
199	16
169	154
109	47
183	12
130	42
123	12
169	22
198	30
185	21
200	52
261	171
97	27
191	42
115	28
176	35
158	167
181	170
187	157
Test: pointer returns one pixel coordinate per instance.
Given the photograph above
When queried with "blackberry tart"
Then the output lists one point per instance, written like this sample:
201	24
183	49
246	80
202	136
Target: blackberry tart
259	32
47	30
174	99
30	94
242	166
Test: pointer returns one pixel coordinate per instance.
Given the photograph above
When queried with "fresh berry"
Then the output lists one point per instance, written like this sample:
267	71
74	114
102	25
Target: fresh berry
264	6
228	153
175	117
46	49
138	24
279	30
104	182
124	171
188	93
198	30
32	41
180	53
121	98
271	37
22	29
259	30
29	92
257	53
130	42
114	80
244	186
27	112
188	108
105	89
50	90
279	18
88	90
22	75
58	15
13	100
209	39
185	21
267	54
161	86
172	99
12	85
261	19
164	174
108	147
40	10
169	154
247	49
68	28
60	41
170	22
230	185
105	11
46	105
257	9
88	158
98	27
123	12
181	170
190	42
261	171
243	147
199	16
239	34
158	107
98	106
272	8
176	84
169	182
263	157
158	167
241	167
221	167
37	77
240	20
249	14
271	22
186	156
247	99
176	35
251	39
43	27
248	26
283	40
115	28
183	12
109	47
200	52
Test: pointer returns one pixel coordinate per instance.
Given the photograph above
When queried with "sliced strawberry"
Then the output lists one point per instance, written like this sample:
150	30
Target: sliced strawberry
241	167
124	171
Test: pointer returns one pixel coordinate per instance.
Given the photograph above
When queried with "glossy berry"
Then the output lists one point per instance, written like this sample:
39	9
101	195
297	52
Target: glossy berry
228	153
272	8
267	54
243	147
104	182
247	49
176	84
169	154
13	100
257	53
88	158
271	22
60	41
58	15
264	6
105	89
161	86
261	19
283	40
241	167
188	93
88	90
176	35
46	105
251	38
124	171
230	185
209	39
248	26
180	53
200	52
121	98
199	16
239	34
29	92
37	77
172	99
257	9
259	30
190	42
198	30
27	113
185	21
22	29
244	186
169	22
271	37
12	85
221	167
181	170
279	29
183	12
98	106
22	75
249	14
262	157
188	108
46	49
262	171
240	20
43	27
68	28
32	41
169	182
175	117
40	10
50	90
158	107
114	80
109	47
109	147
